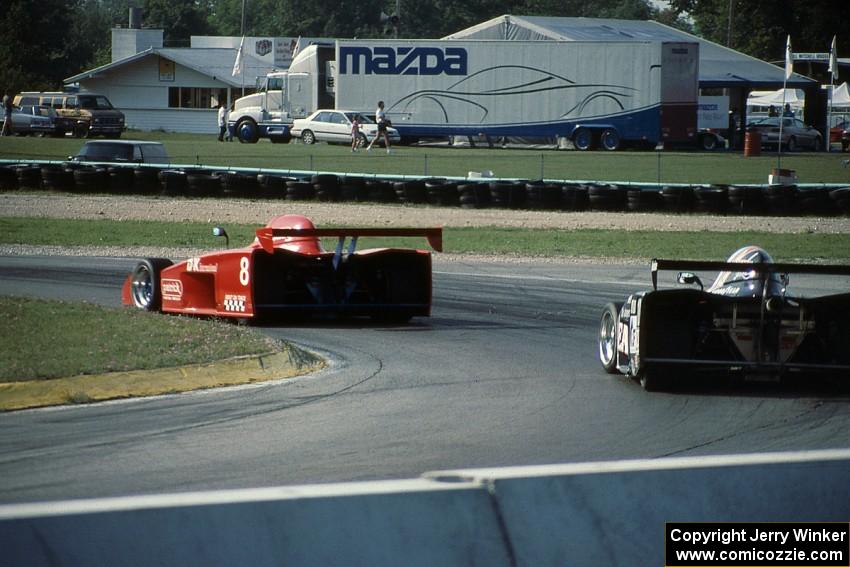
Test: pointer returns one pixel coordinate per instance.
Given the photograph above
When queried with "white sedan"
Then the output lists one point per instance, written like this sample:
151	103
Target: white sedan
335	126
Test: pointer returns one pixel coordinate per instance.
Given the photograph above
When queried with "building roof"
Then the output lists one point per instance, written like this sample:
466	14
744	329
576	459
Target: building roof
211	61
719	66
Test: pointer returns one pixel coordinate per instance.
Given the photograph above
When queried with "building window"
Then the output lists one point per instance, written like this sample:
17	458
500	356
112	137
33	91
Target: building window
193	97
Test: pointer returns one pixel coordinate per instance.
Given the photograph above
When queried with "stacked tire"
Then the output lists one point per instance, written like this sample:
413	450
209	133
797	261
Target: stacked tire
326	187
8	178
841	199
746	200
678	199
57	178
91	179
574	197
441	192
411	192
121	180
299	190
543	196
508	194
474	195
711	200
29	176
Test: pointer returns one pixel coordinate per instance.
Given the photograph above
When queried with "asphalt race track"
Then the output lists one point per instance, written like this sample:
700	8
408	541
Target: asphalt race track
503	373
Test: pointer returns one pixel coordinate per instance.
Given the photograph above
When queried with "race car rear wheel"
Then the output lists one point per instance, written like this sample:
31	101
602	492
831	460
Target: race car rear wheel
144	287
608	337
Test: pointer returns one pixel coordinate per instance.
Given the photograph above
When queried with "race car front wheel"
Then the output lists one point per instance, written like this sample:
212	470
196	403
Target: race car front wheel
145	288
608	337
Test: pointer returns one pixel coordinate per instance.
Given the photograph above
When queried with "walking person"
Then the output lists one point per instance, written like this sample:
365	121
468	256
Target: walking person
229	135
383	124
355	133
222	121
7	115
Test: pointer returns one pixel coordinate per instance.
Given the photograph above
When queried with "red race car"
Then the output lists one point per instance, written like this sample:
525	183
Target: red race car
286	271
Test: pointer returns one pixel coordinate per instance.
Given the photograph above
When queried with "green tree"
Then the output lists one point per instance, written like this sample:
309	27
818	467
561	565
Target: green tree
760	27
179	19
34	49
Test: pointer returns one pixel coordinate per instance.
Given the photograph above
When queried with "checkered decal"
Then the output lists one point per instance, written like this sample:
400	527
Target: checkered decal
236	305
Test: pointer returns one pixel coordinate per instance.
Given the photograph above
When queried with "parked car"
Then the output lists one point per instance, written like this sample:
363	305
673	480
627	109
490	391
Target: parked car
137	151
335	126
84	114
29	119
840	133
795	134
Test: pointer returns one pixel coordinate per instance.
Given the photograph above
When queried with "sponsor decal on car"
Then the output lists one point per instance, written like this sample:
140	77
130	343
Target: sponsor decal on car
172	290
194	265
234	302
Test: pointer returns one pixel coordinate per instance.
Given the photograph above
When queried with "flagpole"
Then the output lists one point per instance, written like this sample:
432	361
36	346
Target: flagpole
833	67
789	68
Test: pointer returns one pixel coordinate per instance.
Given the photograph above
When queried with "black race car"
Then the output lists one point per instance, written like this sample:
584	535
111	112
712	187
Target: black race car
745	323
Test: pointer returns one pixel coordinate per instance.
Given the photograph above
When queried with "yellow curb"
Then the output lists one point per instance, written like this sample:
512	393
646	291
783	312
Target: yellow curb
88	388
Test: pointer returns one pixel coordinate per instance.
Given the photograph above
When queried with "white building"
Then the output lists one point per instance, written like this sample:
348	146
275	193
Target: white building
179	89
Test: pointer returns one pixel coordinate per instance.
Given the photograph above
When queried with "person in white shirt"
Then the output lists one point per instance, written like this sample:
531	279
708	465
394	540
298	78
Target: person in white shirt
383	123
222	121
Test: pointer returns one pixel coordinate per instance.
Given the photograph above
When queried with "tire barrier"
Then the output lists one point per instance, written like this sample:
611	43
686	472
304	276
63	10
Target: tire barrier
57	178
543	196
442	192
91	179
121	180
474	195
326	187
719	199
146	180
272	186
29	176
508	194
297	190
8	178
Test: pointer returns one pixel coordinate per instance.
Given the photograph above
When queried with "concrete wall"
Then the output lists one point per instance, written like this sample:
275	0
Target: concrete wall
583	514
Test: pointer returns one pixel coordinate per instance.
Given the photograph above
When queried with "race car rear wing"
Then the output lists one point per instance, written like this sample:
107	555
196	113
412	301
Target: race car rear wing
670	265
266	235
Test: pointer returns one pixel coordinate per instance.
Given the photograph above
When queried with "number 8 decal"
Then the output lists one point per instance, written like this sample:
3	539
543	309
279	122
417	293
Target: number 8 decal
244	274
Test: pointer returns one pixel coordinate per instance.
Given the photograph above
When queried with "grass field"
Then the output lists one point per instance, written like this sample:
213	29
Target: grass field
481	240
622	166
42	339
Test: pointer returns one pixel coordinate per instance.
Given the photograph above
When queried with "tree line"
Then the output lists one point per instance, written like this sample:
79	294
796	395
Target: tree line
48	41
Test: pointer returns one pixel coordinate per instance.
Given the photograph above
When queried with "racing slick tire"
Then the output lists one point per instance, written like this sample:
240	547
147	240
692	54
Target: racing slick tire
144	288
607	338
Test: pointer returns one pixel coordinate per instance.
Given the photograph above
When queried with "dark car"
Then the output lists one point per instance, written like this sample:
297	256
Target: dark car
133	151
795	133
840	133
745	324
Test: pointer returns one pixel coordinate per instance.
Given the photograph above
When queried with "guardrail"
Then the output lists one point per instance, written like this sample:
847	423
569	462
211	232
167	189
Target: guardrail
606	513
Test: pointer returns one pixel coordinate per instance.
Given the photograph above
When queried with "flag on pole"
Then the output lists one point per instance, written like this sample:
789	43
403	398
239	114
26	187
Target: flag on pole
237	65
789	59
833	60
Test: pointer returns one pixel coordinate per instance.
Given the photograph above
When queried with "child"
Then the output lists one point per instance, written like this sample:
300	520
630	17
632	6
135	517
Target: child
355	134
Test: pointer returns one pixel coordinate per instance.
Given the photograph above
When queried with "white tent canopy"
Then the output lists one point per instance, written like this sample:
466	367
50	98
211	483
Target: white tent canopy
778	98
841	96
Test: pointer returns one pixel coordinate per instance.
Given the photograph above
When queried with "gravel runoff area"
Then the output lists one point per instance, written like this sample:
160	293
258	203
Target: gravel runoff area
247	211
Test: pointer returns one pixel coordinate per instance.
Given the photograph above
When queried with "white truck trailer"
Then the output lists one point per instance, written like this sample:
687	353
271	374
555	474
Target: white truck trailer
596	94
